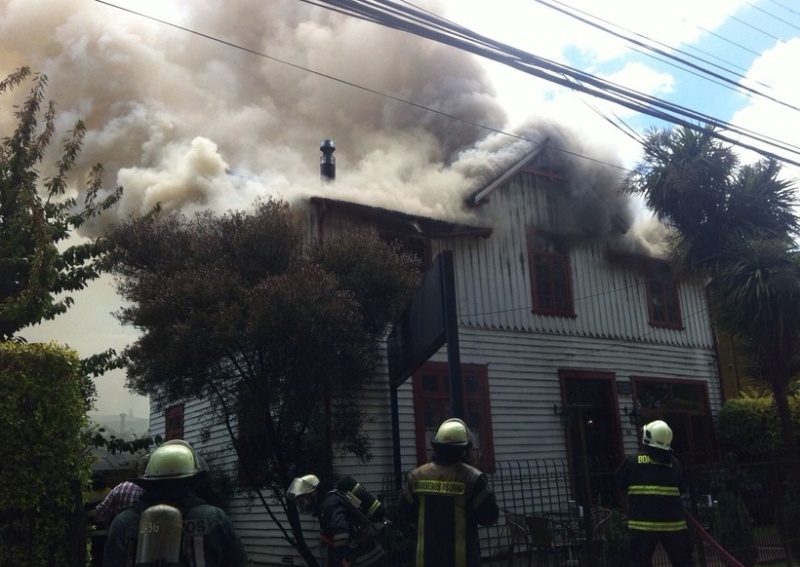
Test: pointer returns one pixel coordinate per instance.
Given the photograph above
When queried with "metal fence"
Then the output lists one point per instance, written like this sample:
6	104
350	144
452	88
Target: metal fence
748	509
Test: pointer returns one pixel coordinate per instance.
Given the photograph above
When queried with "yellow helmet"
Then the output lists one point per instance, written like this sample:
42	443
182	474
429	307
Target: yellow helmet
174	460
453	433
657	434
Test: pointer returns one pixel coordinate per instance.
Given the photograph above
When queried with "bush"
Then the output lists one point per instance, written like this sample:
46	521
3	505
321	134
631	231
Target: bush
42	419
749	427
733	530
615	544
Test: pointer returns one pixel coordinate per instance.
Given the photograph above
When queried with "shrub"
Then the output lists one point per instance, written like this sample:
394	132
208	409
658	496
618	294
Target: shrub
615	544
42	419
733	530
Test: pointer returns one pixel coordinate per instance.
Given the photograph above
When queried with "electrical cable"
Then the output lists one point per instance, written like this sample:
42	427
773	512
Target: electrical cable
718	79
391	15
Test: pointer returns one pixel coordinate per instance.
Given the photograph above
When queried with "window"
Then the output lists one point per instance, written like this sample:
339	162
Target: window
173	422
414	244
683	404
431	385
662	295
549	270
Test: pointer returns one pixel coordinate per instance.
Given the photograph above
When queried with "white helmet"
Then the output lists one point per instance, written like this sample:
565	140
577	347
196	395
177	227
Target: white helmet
303	486
657	434
175	459
453	433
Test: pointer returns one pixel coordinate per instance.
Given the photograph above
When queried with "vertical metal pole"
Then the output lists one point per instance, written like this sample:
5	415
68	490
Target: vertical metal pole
451	334
395	408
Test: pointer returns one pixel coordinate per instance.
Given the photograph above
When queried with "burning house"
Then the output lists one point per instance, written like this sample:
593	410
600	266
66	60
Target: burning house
572	332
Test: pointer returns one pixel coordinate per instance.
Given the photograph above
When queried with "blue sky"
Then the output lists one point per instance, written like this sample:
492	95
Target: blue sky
195	123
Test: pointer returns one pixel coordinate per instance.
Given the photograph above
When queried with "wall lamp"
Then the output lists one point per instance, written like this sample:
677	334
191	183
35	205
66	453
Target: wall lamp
633	415
563	415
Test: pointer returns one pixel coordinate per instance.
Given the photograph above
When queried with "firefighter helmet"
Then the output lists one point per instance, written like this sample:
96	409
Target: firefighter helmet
453	433
657	434
301	492
174	460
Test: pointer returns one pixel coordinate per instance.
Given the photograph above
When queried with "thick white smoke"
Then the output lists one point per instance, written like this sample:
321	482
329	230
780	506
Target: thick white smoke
193	123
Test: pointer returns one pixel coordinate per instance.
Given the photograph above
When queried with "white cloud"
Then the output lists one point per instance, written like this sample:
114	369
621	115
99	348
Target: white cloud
777	121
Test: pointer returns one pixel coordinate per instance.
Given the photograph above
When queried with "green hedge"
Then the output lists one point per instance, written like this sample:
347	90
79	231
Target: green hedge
45	461
750	427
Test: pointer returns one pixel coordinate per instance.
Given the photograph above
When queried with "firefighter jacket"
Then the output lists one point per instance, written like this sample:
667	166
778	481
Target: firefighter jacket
208	537
654	481
345	535
447	501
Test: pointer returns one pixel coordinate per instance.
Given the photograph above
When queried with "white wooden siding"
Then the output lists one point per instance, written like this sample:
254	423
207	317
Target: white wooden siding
493	280
523	351
523	387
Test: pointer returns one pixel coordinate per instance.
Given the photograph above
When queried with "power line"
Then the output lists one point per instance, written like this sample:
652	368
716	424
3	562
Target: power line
773	16
361	87
717	78
412	20
784	7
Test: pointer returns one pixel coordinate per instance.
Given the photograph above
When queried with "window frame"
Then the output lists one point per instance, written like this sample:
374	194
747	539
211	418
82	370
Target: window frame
173	414
417	245
670	295
565	307
486	459
694	440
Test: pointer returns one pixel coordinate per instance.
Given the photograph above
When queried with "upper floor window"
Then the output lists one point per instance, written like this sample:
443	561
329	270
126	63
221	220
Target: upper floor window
173	422
663	305
431	384
551	286
413	244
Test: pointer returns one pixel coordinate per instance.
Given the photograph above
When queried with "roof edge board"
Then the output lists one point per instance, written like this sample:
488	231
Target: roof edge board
478	196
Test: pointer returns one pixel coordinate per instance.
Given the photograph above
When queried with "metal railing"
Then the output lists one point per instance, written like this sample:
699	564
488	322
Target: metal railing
748	508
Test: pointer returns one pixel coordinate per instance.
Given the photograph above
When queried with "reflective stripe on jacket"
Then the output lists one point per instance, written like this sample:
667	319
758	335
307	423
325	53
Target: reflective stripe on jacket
654	482
448	502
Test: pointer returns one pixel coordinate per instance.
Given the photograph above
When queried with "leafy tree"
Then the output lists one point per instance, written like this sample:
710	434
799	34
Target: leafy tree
280	336
33	270
734	224
37	218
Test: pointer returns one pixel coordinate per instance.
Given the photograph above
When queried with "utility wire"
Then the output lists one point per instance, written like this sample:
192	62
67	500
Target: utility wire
390	14
363	88
432	17
719	79
784	7
773	16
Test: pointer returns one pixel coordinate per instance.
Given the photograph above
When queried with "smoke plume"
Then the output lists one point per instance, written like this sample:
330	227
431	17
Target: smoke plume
193	123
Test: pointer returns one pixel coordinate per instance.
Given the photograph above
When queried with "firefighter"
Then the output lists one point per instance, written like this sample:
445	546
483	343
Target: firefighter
654	481
447	499
170	524
351	519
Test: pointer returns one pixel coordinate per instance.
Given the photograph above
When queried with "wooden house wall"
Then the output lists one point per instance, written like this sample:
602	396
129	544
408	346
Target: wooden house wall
523	351
494	290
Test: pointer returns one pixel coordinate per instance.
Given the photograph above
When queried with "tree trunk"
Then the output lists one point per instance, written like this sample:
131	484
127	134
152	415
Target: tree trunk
787	524
300	542
788	436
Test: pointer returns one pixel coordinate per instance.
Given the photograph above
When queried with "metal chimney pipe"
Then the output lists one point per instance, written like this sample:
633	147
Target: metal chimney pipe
327	163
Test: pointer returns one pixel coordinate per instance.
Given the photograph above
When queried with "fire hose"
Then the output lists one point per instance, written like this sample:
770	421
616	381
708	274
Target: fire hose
699	530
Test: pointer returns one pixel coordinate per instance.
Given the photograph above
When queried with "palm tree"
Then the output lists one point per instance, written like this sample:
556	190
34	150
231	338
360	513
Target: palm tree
736	226
757	296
